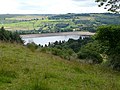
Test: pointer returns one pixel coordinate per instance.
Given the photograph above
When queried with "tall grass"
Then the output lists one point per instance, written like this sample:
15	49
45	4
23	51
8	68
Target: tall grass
22	69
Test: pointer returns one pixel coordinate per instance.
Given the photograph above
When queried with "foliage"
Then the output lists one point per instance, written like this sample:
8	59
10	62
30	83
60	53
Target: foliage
83	48
8	36
93	46
108	36
32	46
91	53
109	39
65	49
90	56
61	52
110	5
72	44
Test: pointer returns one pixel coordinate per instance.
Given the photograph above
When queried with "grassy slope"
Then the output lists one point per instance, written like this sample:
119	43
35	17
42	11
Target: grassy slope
21	69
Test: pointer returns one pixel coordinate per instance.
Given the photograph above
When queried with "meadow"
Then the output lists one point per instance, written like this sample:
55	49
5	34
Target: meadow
22	69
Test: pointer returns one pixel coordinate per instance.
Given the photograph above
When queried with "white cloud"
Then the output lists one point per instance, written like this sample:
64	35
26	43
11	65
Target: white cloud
49	6
8	6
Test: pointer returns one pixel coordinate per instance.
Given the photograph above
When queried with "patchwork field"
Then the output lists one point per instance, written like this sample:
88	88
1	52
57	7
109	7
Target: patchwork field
57	23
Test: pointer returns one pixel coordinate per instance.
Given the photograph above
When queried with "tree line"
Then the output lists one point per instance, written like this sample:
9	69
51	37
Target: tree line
9	36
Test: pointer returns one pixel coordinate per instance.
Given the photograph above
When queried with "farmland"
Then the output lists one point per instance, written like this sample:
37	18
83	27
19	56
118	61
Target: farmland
40	23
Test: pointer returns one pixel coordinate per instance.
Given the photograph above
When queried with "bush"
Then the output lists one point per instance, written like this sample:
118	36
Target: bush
90	56
56	51
32	46
63	53
114	62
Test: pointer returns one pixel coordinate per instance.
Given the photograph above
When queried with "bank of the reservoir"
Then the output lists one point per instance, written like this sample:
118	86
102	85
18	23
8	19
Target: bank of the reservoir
57	34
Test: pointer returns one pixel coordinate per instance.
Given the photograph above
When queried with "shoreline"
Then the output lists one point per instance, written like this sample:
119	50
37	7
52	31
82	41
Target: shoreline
57	34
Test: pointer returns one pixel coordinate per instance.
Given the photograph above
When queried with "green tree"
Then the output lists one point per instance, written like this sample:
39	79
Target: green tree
90	56
90	53
110	5
109	39
9	36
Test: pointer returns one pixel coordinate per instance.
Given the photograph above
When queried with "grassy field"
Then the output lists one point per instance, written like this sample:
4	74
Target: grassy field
22	69
26	22
49	22
21	22
28	25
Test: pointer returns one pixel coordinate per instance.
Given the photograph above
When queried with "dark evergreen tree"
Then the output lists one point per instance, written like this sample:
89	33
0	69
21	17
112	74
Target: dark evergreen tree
9	36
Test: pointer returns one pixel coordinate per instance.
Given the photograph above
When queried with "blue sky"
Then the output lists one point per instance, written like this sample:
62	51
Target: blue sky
49	6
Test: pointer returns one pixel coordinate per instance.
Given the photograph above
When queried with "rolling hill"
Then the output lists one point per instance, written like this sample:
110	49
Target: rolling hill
44	23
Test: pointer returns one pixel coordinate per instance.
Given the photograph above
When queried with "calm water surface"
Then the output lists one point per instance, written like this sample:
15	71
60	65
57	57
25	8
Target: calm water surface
51	39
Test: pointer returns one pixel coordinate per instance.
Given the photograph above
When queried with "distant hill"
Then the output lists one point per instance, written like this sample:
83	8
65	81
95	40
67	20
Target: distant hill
45	23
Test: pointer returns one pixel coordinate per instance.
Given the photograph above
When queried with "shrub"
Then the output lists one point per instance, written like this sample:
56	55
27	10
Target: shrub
114	61
90	56
32	46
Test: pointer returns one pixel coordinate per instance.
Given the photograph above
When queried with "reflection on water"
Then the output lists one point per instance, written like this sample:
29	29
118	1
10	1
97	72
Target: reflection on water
51	39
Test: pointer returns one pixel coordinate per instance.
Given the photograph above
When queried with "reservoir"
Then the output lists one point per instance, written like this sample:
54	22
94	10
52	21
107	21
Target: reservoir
43	39
51	39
